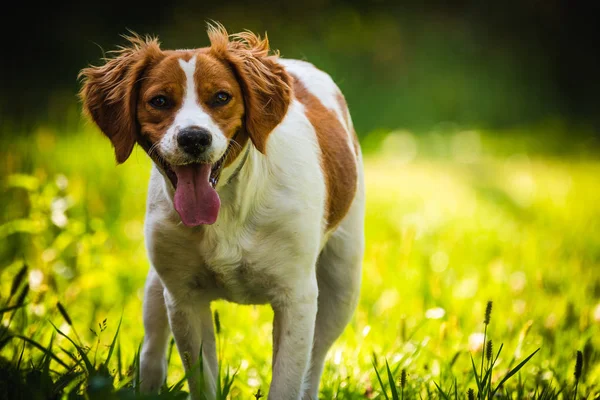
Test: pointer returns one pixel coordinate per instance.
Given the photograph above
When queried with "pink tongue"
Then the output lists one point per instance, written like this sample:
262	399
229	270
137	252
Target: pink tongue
195	199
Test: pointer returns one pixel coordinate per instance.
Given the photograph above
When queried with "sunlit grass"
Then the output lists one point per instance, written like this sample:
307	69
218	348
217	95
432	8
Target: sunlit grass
452	221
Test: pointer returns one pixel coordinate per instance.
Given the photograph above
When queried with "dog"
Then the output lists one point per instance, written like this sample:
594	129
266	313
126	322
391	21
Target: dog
256	196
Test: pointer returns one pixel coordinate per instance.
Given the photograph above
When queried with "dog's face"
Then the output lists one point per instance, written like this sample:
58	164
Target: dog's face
192	110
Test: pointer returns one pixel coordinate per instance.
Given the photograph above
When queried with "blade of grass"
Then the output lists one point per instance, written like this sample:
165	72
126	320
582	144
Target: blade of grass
179	384
392	382
380	381
46	361
65	380
477	381
513	371
71	356
455	389
114	341
84	357
42	348
10	308
119	361
227	383
486	380
21	357
16	283
136	362
444	395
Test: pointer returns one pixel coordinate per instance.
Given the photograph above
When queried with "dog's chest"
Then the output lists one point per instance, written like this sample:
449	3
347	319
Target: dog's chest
232	265
239	283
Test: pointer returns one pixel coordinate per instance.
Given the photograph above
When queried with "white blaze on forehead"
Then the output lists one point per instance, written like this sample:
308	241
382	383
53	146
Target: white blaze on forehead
191	114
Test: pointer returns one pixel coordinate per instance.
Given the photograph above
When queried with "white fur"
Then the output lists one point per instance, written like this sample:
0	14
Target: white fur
191	114
268	246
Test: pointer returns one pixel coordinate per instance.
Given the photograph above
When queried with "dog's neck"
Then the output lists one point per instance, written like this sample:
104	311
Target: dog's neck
241	181
231	172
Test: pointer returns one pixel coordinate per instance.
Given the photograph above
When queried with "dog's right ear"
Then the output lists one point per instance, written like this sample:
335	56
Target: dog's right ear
109	92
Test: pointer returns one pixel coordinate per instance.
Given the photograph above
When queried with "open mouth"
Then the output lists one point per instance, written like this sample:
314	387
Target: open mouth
195	200
215	171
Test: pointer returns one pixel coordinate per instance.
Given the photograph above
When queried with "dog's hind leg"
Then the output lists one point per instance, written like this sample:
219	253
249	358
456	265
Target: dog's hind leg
153	361
338	276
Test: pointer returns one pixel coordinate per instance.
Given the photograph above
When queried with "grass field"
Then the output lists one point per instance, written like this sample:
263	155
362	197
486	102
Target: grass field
454	220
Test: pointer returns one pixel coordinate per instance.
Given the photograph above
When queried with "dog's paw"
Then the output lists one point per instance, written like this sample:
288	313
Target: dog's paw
153	372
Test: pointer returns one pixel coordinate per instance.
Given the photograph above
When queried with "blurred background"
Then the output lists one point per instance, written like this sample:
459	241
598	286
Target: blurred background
406	64
480	125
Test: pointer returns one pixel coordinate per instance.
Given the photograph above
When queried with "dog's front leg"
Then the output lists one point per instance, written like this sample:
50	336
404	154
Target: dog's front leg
153	359
191	324
295	319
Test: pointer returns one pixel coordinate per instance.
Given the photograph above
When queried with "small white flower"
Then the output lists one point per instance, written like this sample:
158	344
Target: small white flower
366	330
65	328
59	204
38	309
36	278
59	219
435	313
337	358
62	182
476	342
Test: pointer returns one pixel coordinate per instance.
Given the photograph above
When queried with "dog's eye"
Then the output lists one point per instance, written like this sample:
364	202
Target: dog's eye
159	102
222	98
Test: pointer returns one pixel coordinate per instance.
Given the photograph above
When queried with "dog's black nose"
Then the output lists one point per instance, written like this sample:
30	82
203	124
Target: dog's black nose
194	140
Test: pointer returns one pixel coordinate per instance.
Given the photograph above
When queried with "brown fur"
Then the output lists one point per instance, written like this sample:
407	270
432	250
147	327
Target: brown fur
338	162
109	92
164	78
265	84
344	107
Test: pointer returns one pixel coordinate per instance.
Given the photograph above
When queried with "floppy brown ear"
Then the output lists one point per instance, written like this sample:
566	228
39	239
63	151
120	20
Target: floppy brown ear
265	83
109	92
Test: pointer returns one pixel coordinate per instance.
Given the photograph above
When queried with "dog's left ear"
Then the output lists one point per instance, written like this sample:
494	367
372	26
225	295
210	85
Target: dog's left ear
265	84
109	92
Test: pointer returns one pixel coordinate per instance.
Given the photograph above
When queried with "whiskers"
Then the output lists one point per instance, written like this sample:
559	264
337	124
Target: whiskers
152	150
234	145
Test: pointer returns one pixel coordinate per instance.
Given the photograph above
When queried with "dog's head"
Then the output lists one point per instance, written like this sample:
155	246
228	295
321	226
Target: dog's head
192	110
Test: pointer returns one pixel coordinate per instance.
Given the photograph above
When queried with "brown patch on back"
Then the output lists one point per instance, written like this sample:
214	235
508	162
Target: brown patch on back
337	161
344	107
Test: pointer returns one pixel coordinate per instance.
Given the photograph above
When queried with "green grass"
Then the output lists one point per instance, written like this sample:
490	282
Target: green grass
453	220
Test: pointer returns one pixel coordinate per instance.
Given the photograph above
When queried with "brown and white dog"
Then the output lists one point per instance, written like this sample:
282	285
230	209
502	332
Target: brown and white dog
256	196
